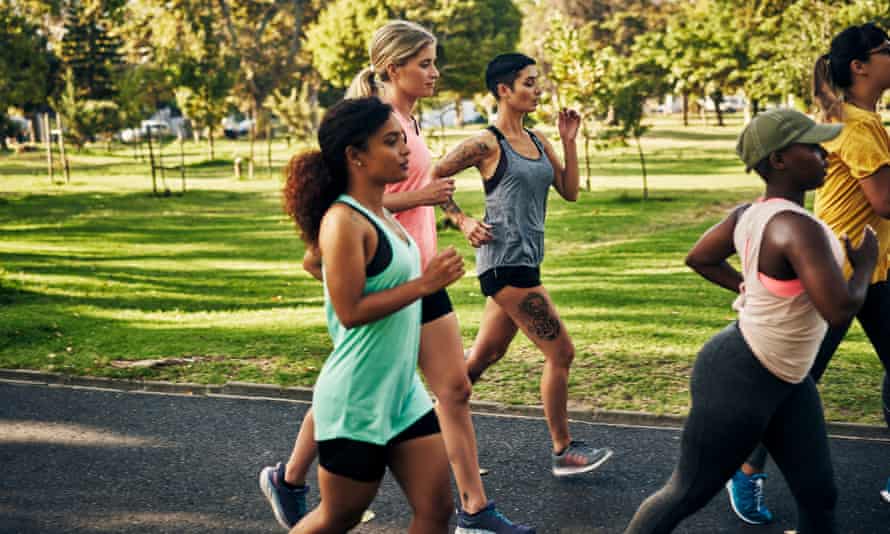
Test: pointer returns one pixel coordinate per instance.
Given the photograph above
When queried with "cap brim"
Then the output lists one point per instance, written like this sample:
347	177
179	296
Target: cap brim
820	133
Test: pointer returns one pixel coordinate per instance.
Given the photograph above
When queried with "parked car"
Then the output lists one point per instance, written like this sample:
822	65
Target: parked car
730	104
233	128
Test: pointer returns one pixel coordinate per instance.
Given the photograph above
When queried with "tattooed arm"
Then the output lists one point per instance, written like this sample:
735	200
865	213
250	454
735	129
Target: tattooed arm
474	152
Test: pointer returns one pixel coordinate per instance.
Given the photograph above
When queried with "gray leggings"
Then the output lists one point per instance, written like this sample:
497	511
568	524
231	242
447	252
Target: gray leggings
874	317
736	403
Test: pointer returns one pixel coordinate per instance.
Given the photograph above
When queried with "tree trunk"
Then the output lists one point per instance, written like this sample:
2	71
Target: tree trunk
210	142
269	148
458	113
719	112
685	109
587	157
253	126
703	113
643	167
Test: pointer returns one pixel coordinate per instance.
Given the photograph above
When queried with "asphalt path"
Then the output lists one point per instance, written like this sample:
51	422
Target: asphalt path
83	460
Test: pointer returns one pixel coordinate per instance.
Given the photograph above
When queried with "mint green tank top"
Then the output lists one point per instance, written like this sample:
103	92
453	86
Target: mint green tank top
368	389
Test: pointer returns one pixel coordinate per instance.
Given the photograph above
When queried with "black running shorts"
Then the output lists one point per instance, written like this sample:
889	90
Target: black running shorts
496	279
434	306
366	462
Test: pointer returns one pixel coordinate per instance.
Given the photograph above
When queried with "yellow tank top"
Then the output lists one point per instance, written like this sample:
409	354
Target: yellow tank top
861	149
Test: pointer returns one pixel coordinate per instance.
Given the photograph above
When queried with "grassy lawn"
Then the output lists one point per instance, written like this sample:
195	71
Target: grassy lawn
98	272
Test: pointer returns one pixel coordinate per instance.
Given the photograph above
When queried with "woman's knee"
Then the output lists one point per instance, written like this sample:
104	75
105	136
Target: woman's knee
455	391
438	510
562	356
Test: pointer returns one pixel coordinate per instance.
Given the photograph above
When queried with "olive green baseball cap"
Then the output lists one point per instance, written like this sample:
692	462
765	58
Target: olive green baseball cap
776	129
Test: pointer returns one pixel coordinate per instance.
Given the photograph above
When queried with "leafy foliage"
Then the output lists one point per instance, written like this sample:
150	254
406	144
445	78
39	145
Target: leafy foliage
23	66
469	33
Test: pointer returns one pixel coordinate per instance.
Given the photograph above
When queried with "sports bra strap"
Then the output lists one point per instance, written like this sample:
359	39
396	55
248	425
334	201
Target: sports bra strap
497	133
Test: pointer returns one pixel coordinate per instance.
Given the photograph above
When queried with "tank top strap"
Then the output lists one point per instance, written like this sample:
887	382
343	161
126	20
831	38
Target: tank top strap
750	233
497	133
535	140
389	232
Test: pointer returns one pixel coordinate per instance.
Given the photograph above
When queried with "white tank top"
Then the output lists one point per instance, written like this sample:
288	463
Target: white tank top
777	318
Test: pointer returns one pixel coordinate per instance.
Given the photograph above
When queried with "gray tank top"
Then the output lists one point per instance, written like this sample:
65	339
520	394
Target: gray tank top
515	207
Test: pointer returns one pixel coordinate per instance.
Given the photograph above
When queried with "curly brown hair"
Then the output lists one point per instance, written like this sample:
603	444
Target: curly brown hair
314	179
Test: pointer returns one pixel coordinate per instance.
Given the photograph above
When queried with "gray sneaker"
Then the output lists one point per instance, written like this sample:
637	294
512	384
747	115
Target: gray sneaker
579	457
289	506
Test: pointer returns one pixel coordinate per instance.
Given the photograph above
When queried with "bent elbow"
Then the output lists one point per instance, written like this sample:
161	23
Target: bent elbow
838	320
349	319
349	322
841	314
692	262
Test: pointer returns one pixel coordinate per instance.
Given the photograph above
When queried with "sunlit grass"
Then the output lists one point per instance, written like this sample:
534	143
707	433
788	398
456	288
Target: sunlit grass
100	270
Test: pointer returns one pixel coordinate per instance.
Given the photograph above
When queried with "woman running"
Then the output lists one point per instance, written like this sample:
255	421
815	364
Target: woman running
848	83
403	55
371	410
751	381
518	167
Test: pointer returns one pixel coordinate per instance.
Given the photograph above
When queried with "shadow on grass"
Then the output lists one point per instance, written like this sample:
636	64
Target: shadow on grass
694	135
207	250
664	166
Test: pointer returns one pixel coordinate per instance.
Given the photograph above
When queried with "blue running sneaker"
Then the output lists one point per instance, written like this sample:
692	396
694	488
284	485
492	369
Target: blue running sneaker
746	498
885	493
488	521
579	457
288	505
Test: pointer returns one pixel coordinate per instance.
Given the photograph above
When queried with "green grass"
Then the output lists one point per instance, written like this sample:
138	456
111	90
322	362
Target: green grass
99	270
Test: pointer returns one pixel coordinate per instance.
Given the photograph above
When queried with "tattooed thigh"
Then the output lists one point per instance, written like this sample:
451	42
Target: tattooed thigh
536	313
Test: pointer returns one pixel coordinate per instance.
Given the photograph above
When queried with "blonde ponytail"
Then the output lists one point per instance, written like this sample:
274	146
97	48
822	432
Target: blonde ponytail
364	84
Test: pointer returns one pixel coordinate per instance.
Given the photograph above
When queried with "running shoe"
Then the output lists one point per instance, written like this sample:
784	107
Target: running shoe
579	457
288	505
488	521
746	498
885	493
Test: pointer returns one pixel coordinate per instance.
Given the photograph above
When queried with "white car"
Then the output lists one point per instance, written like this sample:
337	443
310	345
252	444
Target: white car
234	128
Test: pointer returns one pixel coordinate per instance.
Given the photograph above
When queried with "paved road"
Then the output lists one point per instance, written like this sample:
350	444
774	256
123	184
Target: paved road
90	461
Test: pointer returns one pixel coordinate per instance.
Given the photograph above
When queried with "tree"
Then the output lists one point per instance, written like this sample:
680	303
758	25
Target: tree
141	89
85	119
23	66
89	50
298	109
265	37
782	60
628	109
469	34
576	76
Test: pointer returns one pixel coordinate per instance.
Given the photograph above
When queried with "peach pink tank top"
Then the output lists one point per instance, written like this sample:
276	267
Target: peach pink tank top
776	317
420	222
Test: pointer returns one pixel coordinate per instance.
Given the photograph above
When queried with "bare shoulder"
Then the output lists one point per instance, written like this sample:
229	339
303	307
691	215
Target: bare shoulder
482	143
541	136
792	227
471	152
739	210
341	219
